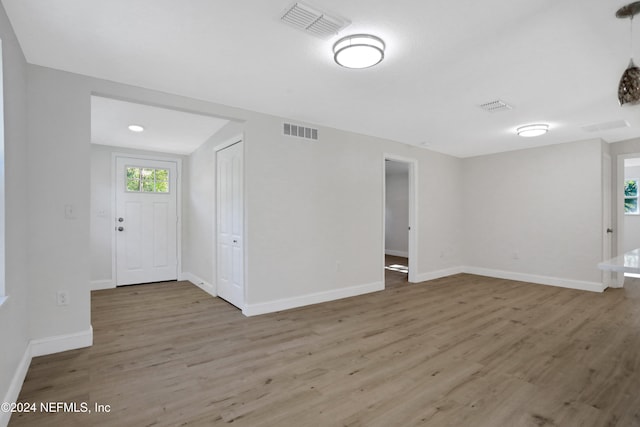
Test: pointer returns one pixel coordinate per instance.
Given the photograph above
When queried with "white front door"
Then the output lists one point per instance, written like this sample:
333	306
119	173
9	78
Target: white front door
146	221
230	225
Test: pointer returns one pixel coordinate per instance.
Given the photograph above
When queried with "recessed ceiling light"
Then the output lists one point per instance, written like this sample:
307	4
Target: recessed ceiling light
358	51
532	130
136	128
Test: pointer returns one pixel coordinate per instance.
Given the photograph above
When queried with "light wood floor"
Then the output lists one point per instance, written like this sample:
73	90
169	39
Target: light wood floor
458	351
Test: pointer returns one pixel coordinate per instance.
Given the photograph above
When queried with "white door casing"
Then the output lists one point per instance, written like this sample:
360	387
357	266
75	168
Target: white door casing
230	224
146	226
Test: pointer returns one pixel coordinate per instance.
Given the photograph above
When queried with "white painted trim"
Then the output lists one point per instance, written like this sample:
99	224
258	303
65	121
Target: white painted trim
314	298
16	384
97	285
3	299
432	275
179	208
58	343
540	280
396	253
237	139
413	212
202	284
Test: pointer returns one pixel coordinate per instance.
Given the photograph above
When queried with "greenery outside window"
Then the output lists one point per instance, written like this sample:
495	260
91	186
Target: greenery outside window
631	197
147	180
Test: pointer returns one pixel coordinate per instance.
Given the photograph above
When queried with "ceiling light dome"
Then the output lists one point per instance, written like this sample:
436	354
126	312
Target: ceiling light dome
532	130
358	51
136	128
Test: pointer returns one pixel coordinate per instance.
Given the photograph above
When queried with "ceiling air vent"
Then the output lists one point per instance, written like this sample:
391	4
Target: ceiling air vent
495	106
617	124
313	21
289	129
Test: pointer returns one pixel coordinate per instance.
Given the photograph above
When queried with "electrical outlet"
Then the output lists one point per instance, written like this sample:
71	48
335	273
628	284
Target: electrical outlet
62	297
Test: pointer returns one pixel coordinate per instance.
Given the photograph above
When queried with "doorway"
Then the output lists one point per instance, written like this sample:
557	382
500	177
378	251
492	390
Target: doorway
628	205
399	230
230	223
146	227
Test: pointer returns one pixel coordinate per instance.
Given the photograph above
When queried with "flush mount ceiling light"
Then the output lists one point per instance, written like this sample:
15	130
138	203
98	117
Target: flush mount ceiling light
629	87
136	128
532	130
358	51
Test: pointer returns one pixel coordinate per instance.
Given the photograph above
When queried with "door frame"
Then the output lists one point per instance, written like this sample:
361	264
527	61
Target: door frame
618	278
113	180
413	213
238	139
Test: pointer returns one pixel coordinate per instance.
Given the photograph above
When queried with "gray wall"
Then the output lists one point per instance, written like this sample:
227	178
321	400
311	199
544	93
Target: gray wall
536	211
14	318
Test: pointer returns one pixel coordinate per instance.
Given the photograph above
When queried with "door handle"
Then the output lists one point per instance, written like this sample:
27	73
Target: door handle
235	241
609	230
120	228
120	219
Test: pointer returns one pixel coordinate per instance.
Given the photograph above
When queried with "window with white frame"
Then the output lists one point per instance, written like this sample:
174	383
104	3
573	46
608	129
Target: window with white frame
631	197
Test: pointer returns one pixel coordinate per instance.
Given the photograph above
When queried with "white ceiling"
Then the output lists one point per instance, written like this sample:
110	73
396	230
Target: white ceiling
165	130
555	61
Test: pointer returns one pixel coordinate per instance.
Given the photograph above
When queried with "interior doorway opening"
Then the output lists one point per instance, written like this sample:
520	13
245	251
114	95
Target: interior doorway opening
399	221
629	227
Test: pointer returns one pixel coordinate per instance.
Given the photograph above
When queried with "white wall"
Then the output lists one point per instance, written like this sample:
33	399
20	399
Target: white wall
14	316
101	215
631	222
397	210
316	209
536	212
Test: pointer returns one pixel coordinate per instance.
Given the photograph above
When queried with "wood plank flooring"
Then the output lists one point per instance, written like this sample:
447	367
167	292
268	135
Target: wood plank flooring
459	351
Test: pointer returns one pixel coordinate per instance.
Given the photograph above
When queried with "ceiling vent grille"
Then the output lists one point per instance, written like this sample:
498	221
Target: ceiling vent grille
313	21
495	106
617	124
298	131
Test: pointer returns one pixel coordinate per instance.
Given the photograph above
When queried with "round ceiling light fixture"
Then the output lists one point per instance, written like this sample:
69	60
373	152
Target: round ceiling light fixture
136	128
529	131
358	51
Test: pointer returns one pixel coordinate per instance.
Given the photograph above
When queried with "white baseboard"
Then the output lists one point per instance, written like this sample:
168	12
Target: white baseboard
41	347
315	298
540	280
16	384
97	285
56	344
396	253
205	286
432	275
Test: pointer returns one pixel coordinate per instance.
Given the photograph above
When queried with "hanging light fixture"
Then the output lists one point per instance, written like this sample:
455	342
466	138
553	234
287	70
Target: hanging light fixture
629	87
358	51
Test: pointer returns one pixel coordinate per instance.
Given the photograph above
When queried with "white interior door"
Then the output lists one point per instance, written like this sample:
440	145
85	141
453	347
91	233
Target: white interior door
230	224
606	216
146	221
